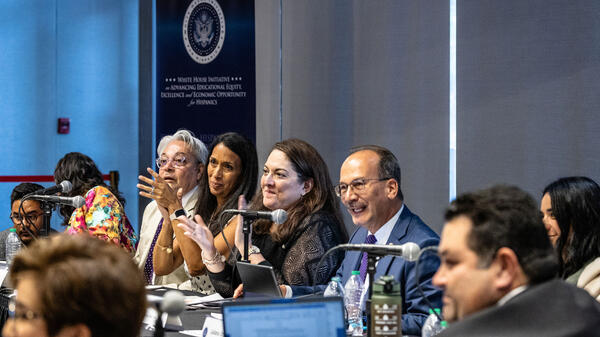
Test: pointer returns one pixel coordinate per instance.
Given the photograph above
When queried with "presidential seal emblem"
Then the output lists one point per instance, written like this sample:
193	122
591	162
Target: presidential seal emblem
203	30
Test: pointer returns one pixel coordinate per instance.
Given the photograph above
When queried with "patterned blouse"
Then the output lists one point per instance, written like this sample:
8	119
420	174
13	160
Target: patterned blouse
103	216
294	261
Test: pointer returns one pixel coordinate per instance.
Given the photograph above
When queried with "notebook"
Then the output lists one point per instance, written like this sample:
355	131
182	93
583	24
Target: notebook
299	317
258	280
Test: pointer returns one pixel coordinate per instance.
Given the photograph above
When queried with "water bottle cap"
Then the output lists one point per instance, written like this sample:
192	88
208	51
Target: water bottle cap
444	324
336	279
437	310
356	272
13	230
430	311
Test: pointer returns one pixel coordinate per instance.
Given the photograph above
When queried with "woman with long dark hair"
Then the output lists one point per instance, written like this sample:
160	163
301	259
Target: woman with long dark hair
103	214
231	172
296	179
571	209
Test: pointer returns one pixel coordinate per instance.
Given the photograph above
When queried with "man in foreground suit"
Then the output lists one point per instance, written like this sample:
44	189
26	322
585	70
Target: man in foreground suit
497	272
370	189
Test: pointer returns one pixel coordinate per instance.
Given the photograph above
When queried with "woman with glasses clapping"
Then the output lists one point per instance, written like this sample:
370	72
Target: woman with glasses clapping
231	171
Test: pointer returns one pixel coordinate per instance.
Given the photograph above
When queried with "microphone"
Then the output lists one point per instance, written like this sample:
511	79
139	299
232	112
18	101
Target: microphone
409	251
64	187
278	216
173	304
76	201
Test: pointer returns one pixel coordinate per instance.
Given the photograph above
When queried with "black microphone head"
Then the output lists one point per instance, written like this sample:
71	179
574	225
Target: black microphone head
278	216
78	201
66	186
173	302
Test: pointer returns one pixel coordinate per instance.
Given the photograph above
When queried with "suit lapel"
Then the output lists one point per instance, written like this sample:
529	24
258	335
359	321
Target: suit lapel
396	236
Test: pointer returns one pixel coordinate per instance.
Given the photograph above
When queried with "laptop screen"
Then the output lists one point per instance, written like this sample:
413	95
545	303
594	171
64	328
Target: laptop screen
315	317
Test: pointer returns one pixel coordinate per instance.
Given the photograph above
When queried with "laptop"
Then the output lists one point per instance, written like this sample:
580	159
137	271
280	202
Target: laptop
298	317
258	280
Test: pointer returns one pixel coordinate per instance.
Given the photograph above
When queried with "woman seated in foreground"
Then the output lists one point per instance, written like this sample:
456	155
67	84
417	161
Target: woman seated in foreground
295	178
75	285
230	172
571	208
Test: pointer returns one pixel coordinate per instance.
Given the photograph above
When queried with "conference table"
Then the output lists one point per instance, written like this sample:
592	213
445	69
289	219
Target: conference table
191	319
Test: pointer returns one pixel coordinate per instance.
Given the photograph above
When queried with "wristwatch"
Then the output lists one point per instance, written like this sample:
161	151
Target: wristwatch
253	250
177	214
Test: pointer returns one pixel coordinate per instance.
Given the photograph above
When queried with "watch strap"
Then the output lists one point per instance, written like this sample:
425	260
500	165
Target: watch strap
177	214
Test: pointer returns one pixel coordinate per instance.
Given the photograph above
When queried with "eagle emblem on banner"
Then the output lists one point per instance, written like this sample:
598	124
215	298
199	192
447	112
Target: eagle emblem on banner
203	30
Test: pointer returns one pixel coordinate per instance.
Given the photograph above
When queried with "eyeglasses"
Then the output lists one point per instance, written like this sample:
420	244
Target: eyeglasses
29	217
18	311
357	185
179	161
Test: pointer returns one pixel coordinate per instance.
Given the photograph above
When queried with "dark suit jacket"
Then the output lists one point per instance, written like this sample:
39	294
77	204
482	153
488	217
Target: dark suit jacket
408	228
553	308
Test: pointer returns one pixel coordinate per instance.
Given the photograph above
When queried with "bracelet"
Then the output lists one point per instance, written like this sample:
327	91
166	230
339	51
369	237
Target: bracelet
169	250
253	250
214	260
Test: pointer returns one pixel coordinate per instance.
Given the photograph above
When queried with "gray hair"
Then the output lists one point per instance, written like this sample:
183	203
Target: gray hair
195	145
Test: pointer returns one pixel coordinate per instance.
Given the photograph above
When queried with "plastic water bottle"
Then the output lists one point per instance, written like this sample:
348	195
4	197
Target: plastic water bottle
433	325
334	288
13	244
352	299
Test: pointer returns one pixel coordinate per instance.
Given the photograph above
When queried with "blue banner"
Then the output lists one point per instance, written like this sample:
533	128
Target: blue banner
205	67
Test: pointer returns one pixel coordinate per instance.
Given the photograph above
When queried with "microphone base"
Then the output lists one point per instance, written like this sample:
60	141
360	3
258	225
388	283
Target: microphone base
173	323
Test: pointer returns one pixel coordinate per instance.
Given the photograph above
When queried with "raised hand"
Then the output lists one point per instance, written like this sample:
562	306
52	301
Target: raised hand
158	189
199	232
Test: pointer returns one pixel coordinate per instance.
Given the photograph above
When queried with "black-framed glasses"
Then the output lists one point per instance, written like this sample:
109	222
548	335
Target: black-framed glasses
29	217
179	161
357	185
19	311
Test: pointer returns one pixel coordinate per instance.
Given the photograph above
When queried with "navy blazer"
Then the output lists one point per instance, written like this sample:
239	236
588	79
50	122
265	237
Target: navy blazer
408	228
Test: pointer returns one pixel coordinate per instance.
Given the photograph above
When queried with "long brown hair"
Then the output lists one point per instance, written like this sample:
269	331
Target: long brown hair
308	164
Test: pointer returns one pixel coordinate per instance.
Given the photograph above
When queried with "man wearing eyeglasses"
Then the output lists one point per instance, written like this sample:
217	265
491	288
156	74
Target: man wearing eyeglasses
29	221
370	190
181	161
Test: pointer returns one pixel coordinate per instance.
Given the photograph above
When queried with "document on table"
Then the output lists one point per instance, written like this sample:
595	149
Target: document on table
196	300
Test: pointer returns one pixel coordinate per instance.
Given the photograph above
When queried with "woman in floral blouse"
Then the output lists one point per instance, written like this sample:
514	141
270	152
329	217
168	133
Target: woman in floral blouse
103	214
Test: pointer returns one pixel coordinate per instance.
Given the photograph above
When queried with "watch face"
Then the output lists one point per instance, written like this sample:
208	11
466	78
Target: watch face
180	212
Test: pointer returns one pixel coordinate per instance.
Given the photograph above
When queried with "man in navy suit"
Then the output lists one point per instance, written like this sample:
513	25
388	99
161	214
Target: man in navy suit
497	271
370	190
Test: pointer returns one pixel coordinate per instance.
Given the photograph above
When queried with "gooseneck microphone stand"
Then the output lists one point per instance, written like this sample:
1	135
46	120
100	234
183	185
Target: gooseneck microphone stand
246	225
371	269
47	208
